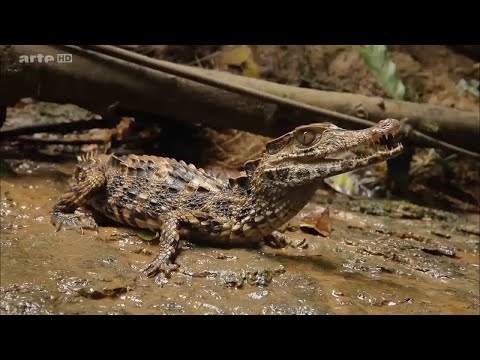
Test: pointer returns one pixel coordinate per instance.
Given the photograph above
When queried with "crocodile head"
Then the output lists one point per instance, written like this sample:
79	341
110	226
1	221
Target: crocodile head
317	151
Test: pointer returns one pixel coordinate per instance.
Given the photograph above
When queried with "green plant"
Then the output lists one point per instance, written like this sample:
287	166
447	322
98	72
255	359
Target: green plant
470	86
383	69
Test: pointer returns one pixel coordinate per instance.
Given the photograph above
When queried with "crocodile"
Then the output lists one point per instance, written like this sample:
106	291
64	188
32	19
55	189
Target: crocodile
178	199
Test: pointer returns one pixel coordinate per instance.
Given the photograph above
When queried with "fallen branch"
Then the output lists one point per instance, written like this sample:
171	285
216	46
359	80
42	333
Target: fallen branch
104	136
411	135
33	140
233	86
59	128
96	81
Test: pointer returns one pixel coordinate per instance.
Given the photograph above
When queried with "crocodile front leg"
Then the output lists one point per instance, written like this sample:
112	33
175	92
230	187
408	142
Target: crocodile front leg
64	215
169	239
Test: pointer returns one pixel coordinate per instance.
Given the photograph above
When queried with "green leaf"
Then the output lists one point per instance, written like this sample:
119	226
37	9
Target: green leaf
471	86
383	69
344	183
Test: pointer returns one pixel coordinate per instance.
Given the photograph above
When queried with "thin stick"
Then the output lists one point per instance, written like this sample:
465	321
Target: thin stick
203	58
427	141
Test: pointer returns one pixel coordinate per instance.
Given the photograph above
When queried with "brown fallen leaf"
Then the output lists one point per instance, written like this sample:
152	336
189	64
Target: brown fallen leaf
319	224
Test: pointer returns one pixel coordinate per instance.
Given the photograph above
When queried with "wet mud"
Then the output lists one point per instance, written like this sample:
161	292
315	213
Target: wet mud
381	257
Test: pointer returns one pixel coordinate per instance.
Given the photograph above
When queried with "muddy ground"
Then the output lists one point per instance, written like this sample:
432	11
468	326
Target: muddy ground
382	256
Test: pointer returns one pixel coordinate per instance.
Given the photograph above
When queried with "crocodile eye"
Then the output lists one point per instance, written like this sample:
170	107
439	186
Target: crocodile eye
306	137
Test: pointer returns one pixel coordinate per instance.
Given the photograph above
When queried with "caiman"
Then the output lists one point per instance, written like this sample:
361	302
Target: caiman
173	198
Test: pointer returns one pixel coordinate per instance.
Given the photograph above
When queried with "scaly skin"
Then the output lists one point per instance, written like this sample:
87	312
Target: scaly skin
166	195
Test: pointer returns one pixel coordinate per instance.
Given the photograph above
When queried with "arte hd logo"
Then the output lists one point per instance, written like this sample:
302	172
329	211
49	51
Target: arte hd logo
41	58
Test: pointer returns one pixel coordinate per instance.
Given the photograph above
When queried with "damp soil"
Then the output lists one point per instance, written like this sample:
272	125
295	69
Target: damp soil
381	257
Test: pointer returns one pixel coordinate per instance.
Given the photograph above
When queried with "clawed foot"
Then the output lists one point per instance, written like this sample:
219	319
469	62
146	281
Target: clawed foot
161	264
280	241
76	221
277	240
169	240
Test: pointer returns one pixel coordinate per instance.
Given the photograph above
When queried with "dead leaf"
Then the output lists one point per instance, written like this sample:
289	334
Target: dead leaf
320	225
240	58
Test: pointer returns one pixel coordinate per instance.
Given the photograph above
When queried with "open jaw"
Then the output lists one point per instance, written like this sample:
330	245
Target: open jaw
379	148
